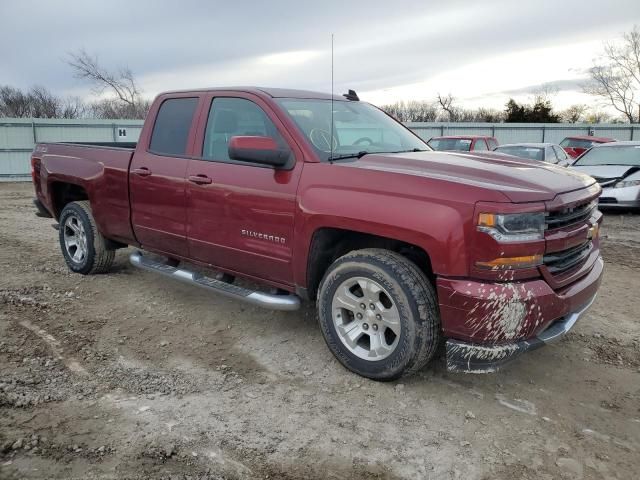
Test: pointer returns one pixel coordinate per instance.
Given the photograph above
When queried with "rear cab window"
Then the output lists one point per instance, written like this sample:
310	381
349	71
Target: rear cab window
172	126
450	144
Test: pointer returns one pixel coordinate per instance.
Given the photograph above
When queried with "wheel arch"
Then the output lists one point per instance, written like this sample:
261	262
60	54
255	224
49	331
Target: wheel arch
63	192
330	243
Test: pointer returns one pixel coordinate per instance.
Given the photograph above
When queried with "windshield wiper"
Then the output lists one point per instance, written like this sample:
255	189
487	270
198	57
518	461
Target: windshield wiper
411	151
359	154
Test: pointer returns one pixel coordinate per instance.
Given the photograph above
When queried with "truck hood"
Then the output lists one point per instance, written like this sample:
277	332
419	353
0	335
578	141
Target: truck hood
519	179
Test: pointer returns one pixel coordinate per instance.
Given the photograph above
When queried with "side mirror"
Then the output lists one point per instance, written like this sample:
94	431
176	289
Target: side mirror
263	150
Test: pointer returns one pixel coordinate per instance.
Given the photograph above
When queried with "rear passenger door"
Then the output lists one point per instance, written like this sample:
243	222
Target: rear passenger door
241	215
157	176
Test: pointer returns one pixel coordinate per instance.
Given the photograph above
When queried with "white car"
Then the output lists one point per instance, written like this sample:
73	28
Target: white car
616	167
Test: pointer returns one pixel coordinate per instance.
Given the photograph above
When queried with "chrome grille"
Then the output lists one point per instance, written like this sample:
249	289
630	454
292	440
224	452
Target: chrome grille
570	216
560	262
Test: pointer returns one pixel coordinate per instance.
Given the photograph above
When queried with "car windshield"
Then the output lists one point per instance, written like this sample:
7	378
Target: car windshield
450	144
619	155
577	143
532	153
358	128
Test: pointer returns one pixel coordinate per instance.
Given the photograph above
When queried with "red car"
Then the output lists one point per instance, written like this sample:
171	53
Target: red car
576	146
463	143
329	199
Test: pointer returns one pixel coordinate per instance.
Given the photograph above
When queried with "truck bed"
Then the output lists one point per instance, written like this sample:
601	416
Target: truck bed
120	145
99	169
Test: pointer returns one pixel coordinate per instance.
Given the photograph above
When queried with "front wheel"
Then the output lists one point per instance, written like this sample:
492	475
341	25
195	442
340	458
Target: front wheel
83	246
378	314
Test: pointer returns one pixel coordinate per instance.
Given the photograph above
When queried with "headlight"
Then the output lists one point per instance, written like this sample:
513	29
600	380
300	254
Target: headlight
513	227
627	183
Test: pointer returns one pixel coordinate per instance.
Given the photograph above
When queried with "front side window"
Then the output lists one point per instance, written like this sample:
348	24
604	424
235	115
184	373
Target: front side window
352	128
550	156
230	117
171	129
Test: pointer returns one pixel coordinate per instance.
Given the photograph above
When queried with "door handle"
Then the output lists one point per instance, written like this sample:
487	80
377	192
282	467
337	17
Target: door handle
142	171
200	179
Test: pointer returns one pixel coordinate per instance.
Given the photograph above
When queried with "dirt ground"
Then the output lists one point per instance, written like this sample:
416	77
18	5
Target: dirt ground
129	375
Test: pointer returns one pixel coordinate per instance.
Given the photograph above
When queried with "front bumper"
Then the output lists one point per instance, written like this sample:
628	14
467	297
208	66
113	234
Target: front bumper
490	324
470	358
626	197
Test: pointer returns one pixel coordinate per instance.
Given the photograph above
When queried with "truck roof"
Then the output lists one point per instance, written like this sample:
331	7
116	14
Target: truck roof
593	139
271	92
462	137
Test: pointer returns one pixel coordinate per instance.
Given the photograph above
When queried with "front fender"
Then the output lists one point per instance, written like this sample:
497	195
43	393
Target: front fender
436	227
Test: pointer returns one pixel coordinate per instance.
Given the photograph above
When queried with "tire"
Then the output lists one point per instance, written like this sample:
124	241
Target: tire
90	254
398	299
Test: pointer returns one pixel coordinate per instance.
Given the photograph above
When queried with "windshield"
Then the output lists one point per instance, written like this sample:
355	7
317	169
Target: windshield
457	144
622	155
532	153
358	128
577	143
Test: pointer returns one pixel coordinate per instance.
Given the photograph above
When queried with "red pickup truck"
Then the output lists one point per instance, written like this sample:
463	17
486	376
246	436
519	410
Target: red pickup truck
577	145
329	199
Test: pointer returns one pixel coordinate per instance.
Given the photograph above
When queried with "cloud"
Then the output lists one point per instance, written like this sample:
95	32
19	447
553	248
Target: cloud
470	47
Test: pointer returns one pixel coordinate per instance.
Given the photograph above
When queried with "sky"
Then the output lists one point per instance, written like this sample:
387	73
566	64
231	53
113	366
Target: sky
482	52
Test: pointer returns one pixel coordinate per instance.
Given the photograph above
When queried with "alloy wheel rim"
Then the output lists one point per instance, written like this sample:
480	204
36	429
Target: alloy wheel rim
75	239
366	318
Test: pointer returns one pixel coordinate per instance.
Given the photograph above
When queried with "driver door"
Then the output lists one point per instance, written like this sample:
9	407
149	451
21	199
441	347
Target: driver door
240	216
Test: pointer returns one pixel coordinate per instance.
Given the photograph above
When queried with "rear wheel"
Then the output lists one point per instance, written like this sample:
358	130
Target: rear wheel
83	246
378	314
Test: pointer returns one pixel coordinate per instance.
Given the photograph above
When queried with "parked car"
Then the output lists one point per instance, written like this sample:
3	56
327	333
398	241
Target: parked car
402	248
576	146
546	152
616	167
463	143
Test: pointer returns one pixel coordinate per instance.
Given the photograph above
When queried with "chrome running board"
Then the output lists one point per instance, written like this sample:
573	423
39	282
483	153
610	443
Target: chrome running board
274	302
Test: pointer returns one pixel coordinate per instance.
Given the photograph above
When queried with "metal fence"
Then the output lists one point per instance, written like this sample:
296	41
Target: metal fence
527	132
18	136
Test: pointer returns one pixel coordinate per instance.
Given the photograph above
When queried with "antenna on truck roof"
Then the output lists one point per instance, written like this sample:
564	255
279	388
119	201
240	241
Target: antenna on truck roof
332	127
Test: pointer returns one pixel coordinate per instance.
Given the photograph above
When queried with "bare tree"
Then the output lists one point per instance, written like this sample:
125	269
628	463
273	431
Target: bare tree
574	113
38	102
14	103
615	76
44	104
597	116
73	107
446	104
128	102
412	111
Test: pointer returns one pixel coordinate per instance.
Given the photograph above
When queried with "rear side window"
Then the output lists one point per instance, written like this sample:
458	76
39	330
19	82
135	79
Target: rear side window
172	126
480	145
493	143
